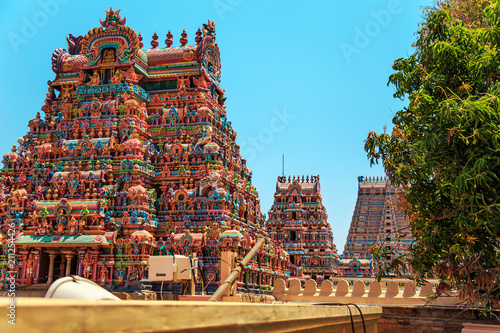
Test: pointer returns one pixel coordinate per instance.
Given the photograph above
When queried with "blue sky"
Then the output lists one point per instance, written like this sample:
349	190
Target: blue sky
304	79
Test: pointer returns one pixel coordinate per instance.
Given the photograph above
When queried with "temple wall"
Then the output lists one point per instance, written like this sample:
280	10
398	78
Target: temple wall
396	319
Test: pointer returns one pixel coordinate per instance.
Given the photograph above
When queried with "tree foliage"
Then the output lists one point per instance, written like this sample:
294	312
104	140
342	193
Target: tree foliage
444	148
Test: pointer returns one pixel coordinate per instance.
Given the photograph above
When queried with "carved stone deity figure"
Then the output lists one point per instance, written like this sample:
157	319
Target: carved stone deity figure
81	226
61	223
132	273
120	274
30	266
103	276
117	78
87	265
72	225
94	80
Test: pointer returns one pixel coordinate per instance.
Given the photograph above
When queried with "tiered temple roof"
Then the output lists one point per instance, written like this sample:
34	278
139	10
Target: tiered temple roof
134	156
376	219
299	220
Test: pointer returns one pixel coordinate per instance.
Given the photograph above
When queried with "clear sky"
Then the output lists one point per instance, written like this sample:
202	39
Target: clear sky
304	79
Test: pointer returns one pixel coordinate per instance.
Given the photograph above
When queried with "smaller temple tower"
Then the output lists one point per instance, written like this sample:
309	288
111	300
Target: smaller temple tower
376	219
299	220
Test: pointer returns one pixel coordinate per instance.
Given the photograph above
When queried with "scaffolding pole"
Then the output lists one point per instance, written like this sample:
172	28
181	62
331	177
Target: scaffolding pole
237	271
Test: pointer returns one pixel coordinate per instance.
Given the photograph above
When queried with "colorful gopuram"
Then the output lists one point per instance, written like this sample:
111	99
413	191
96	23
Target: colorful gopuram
132	156
376	219
299	221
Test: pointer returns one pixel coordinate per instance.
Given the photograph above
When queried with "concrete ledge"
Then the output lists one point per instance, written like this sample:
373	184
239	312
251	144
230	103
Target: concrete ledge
59	315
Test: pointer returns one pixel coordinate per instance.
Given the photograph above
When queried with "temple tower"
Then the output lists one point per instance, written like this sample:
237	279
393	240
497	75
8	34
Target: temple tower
299	220
376	219
133	156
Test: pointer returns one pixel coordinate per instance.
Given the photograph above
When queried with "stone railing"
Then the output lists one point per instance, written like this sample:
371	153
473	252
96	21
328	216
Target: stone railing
401	282
374	294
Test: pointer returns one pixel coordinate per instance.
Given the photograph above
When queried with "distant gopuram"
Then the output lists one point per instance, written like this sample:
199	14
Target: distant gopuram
299	220
376	219
133	156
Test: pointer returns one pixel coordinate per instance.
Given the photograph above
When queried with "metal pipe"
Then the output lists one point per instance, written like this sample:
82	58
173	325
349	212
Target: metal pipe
237	271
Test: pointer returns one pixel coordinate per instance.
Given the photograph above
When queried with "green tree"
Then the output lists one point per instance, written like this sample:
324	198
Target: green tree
444	148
